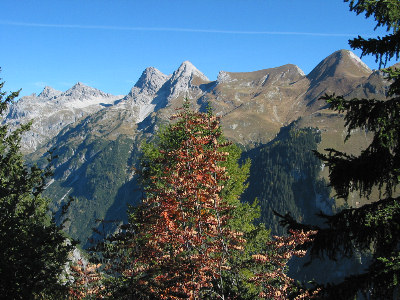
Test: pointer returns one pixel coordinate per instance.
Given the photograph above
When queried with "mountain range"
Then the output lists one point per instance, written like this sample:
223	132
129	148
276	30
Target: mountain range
97	136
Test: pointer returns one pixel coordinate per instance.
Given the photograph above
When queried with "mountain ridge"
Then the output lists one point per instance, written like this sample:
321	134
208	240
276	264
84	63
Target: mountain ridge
273	96
52	110
97	147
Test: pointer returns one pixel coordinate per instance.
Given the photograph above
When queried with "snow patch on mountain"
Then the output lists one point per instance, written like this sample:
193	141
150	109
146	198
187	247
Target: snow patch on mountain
358	61
52	110
300	71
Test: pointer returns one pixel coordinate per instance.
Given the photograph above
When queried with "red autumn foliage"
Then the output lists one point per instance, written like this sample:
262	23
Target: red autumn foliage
274	281
184	236
86	281
178	242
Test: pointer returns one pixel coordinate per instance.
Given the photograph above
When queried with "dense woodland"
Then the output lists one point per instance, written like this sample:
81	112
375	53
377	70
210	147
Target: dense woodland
207	224
285	176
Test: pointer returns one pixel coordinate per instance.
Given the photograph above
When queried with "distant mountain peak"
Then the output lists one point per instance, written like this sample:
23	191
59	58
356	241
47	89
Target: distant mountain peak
342	63
81	91
279	75
188	65
48	92
187	69
80	85
150	81
187	77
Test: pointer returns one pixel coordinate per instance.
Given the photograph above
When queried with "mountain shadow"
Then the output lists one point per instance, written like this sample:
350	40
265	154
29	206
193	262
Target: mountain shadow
284	177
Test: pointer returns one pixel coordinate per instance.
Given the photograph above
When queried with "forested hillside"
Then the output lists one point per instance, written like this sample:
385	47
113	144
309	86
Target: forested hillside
285	176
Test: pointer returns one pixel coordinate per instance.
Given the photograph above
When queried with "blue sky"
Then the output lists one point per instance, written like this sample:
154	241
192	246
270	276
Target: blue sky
108	43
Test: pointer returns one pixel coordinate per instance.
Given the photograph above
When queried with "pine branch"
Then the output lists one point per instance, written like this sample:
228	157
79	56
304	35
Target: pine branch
354	228
383	48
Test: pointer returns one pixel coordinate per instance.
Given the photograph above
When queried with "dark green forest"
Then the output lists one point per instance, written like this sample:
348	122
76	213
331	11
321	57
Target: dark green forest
285	176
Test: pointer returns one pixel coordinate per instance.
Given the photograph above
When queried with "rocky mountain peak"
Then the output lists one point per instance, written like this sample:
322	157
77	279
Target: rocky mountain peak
52	110
80	91
187	69
150	81
186	77
76	87
79	86
342	63
49	93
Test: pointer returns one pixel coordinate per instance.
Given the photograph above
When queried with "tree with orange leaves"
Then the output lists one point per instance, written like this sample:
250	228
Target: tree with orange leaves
191	237
86	281
273	280
183	241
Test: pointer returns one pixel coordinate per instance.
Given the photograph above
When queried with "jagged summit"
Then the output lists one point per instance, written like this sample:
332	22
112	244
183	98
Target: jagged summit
81	91
52	110
140	98
187	77
150	81
188	69
79	86
342	63
48	92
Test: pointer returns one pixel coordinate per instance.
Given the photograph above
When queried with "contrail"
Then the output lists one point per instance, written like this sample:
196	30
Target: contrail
175	29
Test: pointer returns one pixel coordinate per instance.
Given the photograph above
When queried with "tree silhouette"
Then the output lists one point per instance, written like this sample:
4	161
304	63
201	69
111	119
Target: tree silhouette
374	228
33	248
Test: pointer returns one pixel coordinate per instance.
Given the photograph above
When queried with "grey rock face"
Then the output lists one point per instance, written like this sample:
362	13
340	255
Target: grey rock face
149	82
49	93
52	110
141	97
185	80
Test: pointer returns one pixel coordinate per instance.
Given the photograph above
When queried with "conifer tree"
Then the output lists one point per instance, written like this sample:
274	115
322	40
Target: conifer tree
373	228
33	249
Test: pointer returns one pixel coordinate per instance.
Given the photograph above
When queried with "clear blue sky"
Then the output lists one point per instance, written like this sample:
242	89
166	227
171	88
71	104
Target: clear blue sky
108	43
